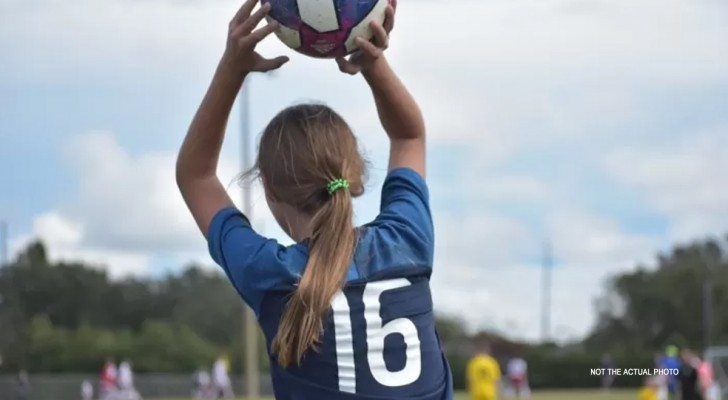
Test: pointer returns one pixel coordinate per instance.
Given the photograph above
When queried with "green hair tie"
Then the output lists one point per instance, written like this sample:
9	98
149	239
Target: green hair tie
337	184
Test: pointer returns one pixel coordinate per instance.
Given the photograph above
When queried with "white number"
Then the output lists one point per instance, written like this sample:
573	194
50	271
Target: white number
344	344
376	333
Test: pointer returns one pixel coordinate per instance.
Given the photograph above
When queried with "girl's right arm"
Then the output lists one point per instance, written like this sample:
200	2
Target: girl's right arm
400	116
398	111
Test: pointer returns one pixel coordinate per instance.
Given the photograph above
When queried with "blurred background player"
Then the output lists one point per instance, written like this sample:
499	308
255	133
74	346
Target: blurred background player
221	380
23	389
517	371
201	386
671	360
650	389
707	386
127	391
688	377
607	378
660	380
87	390
483	375
107	381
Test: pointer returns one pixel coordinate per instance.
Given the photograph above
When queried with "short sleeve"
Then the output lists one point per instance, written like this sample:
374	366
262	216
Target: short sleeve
405	210
248	259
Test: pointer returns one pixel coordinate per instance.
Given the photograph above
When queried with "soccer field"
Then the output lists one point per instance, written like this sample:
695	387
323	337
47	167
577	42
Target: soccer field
554	395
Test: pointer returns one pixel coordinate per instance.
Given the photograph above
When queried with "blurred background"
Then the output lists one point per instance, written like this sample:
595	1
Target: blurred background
577	160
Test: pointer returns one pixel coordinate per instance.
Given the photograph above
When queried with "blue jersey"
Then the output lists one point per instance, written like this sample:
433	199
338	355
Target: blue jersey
671	362
379	339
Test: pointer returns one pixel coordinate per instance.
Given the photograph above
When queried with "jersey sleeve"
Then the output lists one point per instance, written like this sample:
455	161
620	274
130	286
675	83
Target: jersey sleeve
405	211
248	259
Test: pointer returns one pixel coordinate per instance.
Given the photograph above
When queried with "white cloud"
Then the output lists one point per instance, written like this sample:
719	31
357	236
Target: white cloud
683	179
127	209
478	275
64	241
581	239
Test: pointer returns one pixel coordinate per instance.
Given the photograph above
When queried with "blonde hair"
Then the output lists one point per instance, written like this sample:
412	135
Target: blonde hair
302	150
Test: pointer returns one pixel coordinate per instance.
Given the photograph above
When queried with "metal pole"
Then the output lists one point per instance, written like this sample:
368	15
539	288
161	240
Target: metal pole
707	303
252	380
546	292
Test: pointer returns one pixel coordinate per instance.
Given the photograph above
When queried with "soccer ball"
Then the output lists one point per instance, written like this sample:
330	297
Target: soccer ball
325	28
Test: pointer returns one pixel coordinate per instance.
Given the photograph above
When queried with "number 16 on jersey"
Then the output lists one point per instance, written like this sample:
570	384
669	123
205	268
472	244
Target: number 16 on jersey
376	333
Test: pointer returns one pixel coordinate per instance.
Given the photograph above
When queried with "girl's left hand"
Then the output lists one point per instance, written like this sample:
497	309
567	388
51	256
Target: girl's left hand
369	52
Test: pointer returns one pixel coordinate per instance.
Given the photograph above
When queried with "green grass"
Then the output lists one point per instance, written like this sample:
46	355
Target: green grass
553	395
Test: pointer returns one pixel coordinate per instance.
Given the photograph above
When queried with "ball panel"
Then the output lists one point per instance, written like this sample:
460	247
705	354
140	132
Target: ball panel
285	12
289	36
361	29
321	15
352	12
321	45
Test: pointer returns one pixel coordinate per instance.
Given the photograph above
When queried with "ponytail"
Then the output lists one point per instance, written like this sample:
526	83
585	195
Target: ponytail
331	250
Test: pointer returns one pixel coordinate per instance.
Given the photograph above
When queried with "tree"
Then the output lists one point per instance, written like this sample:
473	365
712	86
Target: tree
651	307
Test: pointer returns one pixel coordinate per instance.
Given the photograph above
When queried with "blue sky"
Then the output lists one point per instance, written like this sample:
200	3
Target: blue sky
600	125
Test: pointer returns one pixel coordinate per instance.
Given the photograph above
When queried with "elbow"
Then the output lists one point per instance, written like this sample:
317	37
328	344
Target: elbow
184	175
421	129
416	130
180	173
415	127
189	170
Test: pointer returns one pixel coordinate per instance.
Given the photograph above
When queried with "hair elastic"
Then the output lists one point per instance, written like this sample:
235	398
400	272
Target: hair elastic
337	184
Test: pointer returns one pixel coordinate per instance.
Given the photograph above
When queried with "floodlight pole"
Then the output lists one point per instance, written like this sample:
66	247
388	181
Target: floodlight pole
546	265
707	302
252	374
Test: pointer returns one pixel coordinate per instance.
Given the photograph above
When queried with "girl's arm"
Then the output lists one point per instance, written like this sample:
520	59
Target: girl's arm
400	116
198	158
398	111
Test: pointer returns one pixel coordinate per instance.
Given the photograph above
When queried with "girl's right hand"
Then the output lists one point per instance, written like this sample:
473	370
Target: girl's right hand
240	51
370	52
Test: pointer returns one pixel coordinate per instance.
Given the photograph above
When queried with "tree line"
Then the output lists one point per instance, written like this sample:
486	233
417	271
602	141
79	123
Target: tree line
68	317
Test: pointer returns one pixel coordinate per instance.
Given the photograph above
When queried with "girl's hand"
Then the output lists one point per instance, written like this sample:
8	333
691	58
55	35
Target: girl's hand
240	52
370	52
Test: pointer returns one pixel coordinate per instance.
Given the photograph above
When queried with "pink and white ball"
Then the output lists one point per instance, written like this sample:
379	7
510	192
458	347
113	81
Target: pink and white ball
325	28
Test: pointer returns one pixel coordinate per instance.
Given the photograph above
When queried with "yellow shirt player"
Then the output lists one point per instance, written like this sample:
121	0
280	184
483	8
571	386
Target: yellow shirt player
649	390
483	375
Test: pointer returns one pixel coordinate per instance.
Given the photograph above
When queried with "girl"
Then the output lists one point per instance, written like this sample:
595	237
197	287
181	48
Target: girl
347	312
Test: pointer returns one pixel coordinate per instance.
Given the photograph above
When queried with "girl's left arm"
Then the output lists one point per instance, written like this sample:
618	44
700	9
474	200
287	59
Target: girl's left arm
198	158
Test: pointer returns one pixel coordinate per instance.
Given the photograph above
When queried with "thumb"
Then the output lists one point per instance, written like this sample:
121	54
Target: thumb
346	66
269	64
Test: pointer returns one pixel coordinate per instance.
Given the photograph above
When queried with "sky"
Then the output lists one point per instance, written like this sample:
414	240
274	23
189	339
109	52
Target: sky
598	126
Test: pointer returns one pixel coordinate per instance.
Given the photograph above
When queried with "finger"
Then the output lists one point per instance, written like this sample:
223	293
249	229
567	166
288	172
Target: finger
261	33
272	64
368	48
243	12
346	66
389	18
380	35
250	23
393	4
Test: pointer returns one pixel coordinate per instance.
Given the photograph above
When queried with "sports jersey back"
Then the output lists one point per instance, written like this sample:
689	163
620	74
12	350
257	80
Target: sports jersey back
379	339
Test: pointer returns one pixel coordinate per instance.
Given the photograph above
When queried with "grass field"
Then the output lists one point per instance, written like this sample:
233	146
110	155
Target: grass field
555	395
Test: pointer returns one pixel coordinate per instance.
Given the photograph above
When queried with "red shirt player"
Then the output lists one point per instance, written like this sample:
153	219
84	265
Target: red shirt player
108	378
